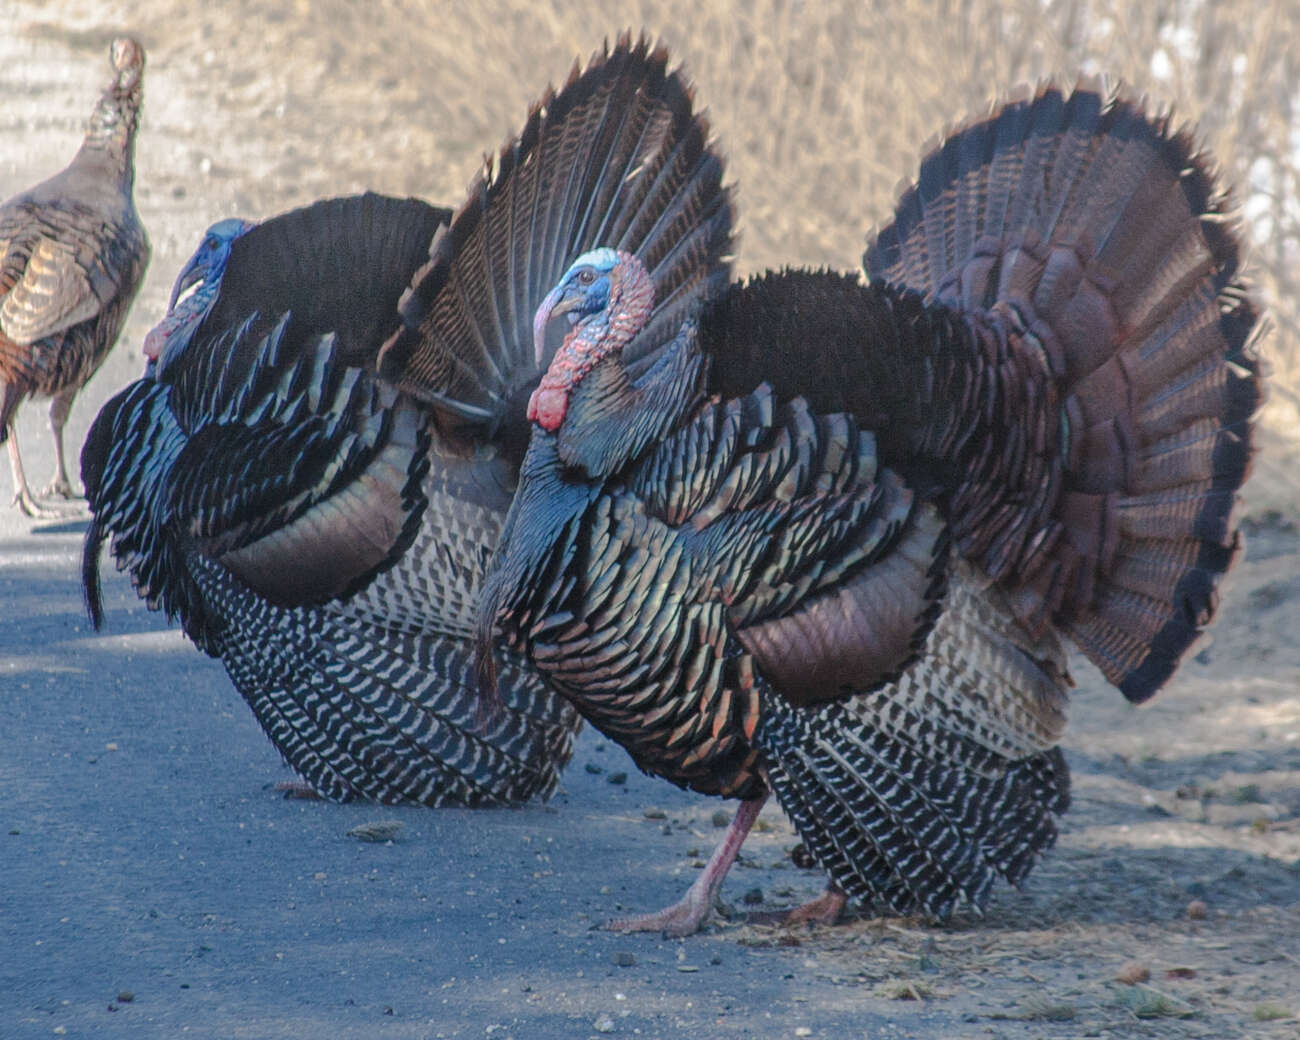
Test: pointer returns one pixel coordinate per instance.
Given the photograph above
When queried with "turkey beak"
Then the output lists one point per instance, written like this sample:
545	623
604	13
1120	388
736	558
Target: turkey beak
555	303
191	277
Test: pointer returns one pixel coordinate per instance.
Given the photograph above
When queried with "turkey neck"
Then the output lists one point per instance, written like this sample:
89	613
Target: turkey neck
611	421
110	138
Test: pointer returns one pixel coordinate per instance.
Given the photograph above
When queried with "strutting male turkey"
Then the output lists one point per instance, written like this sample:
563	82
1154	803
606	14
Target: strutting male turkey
325	532
72	255
828	538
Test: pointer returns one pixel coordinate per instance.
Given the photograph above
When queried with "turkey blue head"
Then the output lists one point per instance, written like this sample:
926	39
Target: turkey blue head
193	294
608	296
209	260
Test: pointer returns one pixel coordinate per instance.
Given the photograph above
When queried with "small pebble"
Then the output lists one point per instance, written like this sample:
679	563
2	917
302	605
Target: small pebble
801	857
803	1031
721	818
125	997
1197	910
753	897
618	778
604	1024
594	769
379	830
687	967
1132	973
623	958
655	814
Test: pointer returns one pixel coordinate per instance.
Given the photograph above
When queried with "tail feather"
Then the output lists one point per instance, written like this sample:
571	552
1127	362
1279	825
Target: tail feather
616	158
1106	234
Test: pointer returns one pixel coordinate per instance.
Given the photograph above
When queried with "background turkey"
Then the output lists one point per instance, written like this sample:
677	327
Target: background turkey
325	533
72	256
846	575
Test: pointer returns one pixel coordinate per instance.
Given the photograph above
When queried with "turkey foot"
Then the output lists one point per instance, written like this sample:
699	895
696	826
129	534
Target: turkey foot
23	497
37	510
60	487
685	916
825	909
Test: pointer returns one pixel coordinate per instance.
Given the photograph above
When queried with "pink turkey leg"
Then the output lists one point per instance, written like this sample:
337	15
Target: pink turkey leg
686	916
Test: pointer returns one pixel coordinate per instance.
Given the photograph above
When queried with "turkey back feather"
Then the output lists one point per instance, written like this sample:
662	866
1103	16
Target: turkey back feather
338	266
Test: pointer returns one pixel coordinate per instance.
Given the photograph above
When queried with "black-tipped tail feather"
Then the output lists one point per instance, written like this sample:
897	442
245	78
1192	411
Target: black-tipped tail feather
1105	235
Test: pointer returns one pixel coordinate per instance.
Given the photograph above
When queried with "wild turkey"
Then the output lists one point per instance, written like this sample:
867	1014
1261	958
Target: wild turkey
324	533
72	255
830	542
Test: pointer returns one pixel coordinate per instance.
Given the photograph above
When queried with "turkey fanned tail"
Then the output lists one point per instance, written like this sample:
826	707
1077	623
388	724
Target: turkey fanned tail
1099	236
617	157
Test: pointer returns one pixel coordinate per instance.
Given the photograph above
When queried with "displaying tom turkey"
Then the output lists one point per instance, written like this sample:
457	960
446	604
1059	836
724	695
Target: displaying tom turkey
324	532
829	537
72	255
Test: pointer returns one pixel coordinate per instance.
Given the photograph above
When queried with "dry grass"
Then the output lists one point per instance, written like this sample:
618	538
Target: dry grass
822	107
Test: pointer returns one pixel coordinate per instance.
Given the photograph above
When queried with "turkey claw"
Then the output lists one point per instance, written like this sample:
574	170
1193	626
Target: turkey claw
61	488
38	510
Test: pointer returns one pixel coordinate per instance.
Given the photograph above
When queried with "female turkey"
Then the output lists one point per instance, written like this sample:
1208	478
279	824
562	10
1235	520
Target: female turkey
73	253
324	532
827	544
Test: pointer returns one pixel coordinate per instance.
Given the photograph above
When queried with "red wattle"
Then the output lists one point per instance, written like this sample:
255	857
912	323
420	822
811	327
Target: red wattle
547	407
155	340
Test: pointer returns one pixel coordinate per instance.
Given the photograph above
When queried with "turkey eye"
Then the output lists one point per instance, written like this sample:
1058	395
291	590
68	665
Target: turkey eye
586	276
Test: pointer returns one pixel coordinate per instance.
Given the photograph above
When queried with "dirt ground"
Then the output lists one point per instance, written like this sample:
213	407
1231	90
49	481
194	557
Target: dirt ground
153	884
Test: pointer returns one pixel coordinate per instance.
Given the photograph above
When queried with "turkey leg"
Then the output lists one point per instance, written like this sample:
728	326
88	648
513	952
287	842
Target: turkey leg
59	484
23	497
686	916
